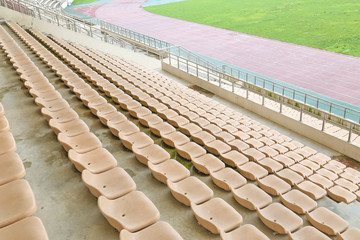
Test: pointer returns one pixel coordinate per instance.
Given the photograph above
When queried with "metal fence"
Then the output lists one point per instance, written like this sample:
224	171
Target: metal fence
225	74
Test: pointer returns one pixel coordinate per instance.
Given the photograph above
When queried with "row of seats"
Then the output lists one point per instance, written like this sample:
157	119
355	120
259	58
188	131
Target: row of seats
127	210
273	205
17	200
293	195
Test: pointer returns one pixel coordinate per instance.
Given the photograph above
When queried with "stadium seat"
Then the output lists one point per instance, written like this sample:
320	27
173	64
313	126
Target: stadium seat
11	167
81	143
279	218
350	234
252	170
170	170
152	153
311	189
270	165
251	197
190	190
200	137
340	194
306	233
190	150
216	215
327	221
227	179
71	129
7	142
133	211
320	180
207	163
298	201
95	161
273	185
245	232
111	184
30	228
4	124
234	158
289	176
175	139
123	128
62	116
160	230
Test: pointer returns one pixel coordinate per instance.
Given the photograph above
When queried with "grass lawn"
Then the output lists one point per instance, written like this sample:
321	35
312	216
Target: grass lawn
77	2
332	25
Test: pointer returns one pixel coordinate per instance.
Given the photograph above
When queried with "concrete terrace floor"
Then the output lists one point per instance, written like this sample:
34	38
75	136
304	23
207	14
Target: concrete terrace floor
67	208
331	74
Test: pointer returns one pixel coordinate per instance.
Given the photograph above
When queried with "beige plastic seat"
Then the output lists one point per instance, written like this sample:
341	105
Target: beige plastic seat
294	156
151	119
137	140
307	233
62	116
217	147
30	228
2	110
252	170
207	163
333	168
234	158
320	180
95	161
320	158
11	167
178	121
279	218
273	185
310	164
216	215
284	160
71	129
167	113
170	170
301	169
245	232
104	108
139	111
268	151
4	124
17	202
152	153
112	117
350	234
341	194
111	184
289	176
7	143
175	139
298	201
201	137
254	154
190	150
311	189
160	230
282	148
327	173
190	190
53	105
228	178
352	171
346	184
133	211
123	128
270	165
348	176
327	221
81	143
162	128
251	197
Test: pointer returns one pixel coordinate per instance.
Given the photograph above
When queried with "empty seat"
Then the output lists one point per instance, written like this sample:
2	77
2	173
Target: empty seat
254	154
137	140
306	233
234	158
298	201
163	128
273	185
152	153
201	137
81	143
11	167
346	184
251	196
337	164
320	180
217	147
4	124
227	179
289	176
112	117
61	116
270	165
341	194
268	151
157	231
311	189
72	128
284	160
96	161
252	170
111	184
301	169
333	168
246	232
310	164
294	156
104	108
123	128
207	163
175	138
320	158
279	218
327	173
216	215
190	190
350	234
170	170
327	221
7	143
30	228
151	119
190	150
53	105
17	202
133	211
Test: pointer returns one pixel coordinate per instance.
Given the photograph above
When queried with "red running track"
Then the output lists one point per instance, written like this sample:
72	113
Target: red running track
330	74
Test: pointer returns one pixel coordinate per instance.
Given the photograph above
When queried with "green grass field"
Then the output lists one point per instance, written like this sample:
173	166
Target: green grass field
77	2
332	25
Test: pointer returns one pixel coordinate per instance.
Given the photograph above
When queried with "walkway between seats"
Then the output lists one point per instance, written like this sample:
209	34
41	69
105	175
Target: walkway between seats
330	74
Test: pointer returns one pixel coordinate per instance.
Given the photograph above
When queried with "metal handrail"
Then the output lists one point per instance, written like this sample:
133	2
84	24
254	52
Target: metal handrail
113	32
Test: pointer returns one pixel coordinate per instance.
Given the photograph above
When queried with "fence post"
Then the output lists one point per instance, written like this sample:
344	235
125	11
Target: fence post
197	70
281	104
301	112
323	123
350	132
263	98
233	87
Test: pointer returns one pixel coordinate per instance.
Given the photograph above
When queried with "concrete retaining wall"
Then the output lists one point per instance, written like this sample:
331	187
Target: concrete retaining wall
323	138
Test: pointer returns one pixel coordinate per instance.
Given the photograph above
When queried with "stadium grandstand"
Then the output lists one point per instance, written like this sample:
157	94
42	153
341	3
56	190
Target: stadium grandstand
106	133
